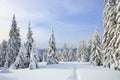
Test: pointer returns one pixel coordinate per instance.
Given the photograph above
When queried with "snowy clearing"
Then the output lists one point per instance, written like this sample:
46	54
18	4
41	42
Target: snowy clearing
62	71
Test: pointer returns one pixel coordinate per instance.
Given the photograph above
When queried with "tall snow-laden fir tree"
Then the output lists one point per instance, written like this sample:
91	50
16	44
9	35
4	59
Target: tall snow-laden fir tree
111	44
117	44
52	51
21	60
29	43
96	56
82	54
3	52
109	33
14	43
34	58
65	55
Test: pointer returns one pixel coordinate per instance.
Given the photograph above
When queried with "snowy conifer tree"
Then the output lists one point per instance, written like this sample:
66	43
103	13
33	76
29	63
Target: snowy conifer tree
14	43
115	62
82	54
29	43
3	52
21	59
96	56
111	34
33	58
45	55
71	54
59	51
89	47
52	51
78	54
65	55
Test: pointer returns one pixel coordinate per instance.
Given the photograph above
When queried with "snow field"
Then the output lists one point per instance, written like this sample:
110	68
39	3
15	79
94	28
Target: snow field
62	71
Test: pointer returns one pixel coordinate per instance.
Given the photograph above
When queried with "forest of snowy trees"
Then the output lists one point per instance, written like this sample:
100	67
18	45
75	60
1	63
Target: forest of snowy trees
99	51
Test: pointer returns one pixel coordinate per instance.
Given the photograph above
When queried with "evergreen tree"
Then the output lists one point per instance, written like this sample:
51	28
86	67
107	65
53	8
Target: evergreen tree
29	43
116	56
45	55
78	54
3	52
21	60
96	56
82	54
111	34
33	58
52	51
59	51
89	48
71	54
65	55
14	43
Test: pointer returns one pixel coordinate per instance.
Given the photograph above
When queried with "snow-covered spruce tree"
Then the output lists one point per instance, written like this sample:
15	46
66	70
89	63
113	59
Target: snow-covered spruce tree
40	55
71	54
78	54
21	59
29	43
59	51
44	55
111	35
116	55
3	52
14	43
65	55
52	51
89	48
96	56
34	58
82	54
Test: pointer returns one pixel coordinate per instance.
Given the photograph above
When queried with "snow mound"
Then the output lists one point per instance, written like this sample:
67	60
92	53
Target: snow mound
4	70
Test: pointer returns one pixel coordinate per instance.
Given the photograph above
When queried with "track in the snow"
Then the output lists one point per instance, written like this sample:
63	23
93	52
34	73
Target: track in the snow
74	75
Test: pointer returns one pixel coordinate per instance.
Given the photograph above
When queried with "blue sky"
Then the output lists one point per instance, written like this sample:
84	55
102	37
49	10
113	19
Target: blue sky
71	20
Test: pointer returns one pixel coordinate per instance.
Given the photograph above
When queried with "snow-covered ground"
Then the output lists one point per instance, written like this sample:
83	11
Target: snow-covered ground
63	71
